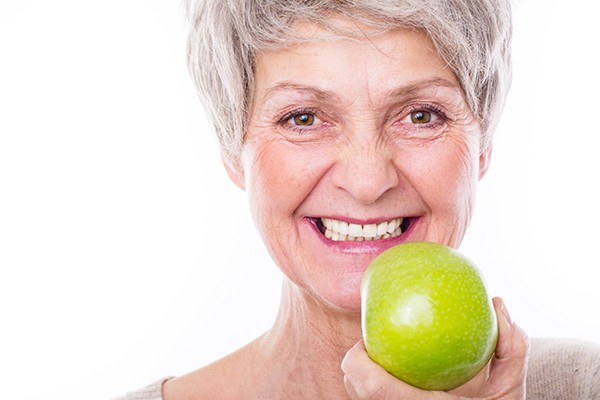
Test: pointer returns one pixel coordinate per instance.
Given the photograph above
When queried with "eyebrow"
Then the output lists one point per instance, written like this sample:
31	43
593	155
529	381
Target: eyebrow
418	86
403	91
282	87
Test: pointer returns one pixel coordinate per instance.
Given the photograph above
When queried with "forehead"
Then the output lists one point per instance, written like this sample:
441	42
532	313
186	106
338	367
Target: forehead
366	61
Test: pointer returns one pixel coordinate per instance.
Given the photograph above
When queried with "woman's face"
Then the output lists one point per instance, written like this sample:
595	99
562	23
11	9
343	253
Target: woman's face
353	146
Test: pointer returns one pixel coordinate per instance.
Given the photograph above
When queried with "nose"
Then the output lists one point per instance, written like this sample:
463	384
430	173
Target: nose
366	171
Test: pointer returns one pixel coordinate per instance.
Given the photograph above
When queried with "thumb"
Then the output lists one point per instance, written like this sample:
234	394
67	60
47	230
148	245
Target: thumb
364	379
509	365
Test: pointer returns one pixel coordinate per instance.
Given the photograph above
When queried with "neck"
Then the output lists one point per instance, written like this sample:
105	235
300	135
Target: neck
306	346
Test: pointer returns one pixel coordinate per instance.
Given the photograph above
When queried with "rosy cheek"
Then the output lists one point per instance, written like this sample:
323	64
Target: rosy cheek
298	164
275	174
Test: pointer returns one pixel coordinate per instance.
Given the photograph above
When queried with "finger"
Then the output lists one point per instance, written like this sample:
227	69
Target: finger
509	365
513	343
350	389
364	379
475	386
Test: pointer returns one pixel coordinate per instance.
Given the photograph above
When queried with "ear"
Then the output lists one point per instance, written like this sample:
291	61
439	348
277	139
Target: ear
484	160
234	170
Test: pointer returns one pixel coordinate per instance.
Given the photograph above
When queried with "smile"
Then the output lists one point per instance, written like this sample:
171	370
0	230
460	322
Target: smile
339	230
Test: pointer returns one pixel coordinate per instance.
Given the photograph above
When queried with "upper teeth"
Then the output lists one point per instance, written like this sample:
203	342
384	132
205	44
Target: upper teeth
341	230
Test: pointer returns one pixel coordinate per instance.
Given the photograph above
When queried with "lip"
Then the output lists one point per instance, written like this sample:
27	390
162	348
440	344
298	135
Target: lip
363	247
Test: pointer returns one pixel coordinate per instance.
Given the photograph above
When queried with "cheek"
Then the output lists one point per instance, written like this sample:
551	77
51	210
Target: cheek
446	175
280	176
460	168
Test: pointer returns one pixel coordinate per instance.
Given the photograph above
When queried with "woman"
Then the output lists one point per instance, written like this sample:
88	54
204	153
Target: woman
353	127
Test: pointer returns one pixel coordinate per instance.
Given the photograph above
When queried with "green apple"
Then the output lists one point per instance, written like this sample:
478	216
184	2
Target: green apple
426	315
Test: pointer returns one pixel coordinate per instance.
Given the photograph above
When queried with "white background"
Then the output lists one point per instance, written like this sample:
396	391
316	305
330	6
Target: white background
125	253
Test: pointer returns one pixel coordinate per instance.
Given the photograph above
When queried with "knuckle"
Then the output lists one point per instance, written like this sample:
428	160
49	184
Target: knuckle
522	344
372	387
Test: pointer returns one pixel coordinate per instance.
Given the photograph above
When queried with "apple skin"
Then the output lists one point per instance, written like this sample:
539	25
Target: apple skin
426	315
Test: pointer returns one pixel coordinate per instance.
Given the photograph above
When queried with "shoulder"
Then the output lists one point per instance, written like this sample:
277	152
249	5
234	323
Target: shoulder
563	369
150	392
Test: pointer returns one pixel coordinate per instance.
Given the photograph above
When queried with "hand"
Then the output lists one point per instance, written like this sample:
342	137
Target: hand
502	378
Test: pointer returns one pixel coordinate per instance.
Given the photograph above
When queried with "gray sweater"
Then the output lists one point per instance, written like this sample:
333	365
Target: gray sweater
559	369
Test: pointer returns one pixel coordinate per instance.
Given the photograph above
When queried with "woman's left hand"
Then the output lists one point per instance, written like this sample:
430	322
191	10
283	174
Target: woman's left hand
502	378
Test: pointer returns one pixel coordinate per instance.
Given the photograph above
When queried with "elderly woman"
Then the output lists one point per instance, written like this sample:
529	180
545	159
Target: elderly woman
354	126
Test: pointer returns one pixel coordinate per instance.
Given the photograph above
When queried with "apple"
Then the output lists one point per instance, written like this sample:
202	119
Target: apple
426	315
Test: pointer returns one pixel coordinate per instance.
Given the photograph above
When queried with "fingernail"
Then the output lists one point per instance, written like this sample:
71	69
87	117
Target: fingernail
345	361
499	304
349	386
347	379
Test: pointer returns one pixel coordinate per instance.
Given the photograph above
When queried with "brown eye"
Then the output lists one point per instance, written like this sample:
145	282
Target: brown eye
304	119
420	117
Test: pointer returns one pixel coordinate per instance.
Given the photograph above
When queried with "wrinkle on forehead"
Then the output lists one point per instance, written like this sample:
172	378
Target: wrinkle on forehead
362	62
406	91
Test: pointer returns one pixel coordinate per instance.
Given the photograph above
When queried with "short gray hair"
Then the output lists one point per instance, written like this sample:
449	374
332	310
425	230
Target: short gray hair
472	36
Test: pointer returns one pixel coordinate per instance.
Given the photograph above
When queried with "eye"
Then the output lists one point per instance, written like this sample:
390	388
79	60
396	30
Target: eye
301	119
305	124
304	119
420	117
421	120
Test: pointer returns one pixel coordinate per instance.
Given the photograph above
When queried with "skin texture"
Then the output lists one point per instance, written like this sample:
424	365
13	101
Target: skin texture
362	158
359	161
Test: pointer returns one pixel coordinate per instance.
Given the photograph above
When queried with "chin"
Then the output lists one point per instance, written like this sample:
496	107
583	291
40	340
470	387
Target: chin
342	297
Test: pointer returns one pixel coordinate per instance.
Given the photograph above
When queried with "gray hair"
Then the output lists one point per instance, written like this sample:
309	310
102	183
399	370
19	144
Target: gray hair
472	36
